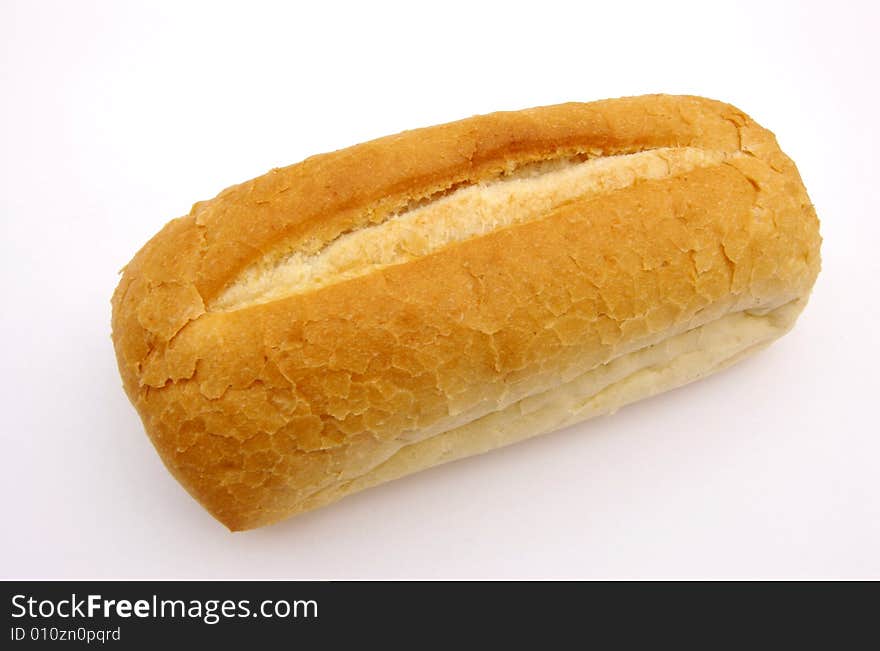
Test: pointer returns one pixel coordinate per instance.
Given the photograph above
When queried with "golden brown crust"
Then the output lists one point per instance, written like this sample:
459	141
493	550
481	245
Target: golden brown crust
256	410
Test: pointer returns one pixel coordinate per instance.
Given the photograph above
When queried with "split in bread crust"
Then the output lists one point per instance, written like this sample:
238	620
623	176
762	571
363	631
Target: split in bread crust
375	311
467	212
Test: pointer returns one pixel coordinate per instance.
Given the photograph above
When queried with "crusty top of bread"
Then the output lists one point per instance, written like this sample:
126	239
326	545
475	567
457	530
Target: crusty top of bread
257	406
525	194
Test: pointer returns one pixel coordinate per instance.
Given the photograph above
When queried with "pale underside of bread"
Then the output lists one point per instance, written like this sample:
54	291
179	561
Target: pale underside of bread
638	375
376	311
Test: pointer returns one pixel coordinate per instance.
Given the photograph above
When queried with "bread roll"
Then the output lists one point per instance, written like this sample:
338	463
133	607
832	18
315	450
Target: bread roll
423	297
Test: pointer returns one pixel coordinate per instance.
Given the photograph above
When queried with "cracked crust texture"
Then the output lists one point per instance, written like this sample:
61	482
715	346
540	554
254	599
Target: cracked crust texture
276	407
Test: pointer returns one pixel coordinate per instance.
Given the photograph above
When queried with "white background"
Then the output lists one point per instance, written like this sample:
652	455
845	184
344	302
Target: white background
115	117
